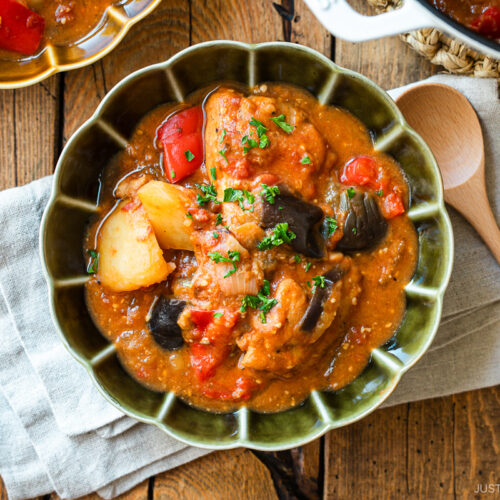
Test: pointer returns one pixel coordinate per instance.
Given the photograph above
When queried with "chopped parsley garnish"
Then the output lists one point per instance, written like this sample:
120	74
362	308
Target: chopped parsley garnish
189	215
351	192
222	152
93	263
224	132
261	134
306	160
319	281
209	194
332	225
232	257
239	195
189	156
280	121
308	283
281	208
218	314
269	193
266	290
261	128
252	143
380	192
172	174
280	235
215	235
214	174
308	266
264	142
218	220
354	230
261	301
297	258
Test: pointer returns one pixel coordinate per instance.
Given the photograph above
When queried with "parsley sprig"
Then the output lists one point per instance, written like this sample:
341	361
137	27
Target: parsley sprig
269	193
261	301
319	281
263	141
209	194
351	192
239	195
332	225
93	263
280	121
280	235
232	257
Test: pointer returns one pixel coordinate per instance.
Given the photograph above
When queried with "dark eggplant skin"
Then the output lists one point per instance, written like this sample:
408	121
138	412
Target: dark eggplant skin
320	295
163	323
364	226
302	218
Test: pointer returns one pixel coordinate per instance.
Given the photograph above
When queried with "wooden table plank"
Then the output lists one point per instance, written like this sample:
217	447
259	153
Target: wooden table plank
28	132
476	442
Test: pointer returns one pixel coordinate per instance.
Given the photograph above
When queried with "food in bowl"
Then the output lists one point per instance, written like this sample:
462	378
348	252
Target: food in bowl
251	245
26	25
482	16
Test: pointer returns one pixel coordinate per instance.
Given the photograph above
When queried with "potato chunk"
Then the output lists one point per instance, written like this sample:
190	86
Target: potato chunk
166	206
129	254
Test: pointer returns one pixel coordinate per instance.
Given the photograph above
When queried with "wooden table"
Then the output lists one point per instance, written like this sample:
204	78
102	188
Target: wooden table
436	449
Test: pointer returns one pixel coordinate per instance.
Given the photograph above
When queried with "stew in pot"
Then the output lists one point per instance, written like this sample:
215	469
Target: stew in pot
482	16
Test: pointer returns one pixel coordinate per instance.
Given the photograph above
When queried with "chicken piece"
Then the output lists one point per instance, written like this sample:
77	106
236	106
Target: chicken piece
213	275
228	128
277	345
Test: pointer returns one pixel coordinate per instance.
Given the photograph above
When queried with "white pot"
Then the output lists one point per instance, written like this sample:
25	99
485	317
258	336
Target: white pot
343	21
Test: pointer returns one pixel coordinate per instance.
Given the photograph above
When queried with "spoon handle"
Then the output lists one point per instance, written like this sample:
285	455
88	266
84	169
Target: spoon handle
471	201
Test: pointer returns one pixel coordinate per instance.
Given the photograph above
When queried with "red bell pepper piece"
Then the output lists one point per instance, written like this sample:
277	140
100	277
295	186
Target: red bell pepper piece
488	23
21	29
181	137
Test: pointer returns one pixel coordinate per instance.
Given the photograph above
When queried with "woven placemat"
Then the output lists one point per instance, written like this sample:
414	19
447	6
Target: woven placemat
440	49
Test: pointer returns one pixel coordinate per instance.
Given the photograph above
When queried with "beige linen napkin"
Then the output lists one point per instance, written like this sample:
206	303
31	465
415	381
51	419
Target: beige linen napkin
58	433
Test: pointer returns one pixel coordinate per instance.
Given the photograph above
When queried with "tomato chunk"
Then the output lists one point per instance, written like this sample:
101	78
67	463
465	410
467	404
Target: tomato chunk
21	29
488	23
201	319
205	358
360	171
242	392
181	137
214	334
364	171
393	205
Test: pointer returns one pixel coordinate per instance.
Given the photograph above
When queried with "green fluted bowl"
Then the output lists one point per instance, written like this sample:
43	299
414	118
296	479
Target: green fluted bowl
74	198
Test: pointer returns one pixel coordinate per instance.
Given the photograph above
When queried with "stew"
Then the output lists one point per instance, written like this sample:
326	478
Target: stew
25	25
251	245
482	16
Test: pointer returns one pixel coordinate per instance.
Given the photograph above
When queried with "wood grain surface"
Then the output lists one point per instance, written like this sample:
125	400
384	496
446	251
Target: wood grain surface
436	449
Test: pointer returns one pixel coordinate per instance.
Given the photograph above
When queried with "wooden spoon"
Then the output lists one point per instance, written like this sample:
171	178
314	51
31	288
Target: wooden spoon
449	125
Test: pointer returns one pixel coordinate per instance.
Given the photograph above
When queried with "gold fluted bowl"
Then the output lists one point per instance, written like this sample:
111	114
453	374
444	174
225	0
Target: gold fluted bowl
51	59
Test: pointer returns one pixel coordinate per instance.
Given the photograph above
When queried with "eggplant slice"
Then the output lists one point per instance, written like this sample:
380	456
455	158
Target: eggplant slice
163	323
364	226
302	218
315	308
